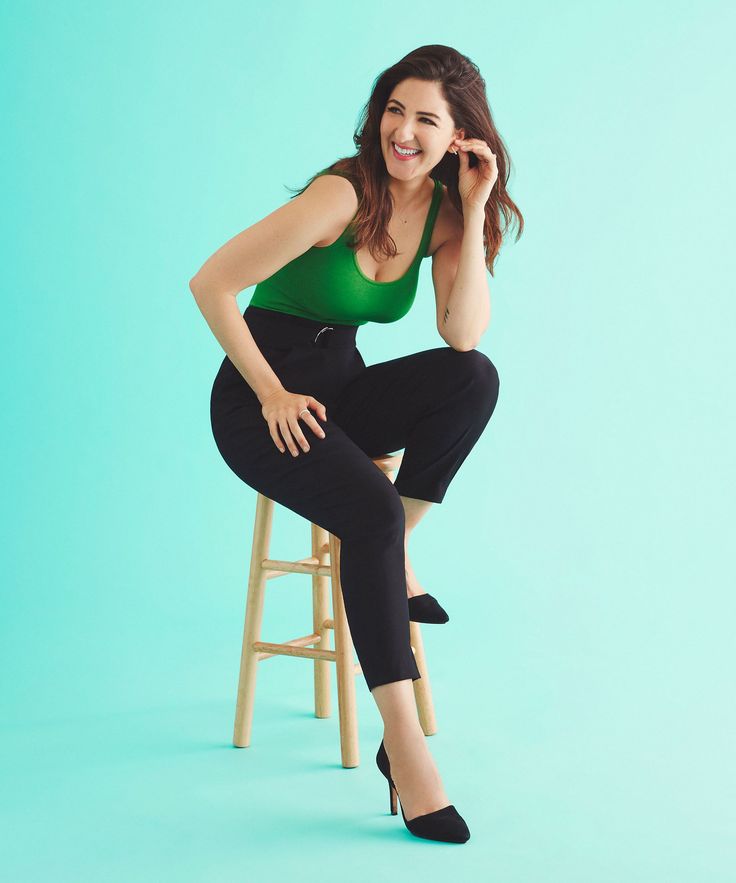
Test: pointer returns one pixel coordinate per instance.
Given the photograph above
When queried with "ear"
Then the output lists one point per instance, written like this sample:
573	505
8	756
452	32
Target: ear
459	133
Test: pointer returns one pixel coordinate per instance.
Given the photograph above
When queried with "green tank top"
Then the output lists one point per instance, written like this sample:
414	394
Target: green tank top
327	285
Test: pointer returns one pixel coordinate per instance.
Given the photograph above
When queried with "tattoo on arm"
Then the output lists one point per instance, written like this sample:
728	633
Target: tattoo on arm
446	316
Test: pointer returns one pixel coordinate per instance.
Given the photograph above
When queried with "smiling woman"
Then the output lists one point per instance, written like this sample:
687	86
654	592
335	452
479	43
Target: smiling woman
346	250
433	101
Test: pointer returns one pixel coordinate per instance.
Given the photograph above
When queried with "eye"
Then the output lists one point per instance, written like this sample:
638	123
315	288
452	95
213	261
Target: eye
398	109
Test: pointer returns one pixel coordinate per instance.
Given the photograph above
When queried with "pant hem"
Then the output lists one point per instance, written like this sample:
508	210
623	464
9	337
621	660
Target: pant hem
390	679
424	495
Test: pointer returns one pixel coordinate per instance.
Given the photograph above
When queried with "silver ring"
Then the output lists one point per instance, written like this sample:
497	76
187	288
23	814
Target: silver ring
302	411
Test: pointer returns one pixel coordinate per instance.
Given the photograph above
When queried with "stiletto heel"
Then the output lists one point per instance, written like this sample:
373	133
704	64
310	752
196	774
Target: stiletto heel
392	799
444	824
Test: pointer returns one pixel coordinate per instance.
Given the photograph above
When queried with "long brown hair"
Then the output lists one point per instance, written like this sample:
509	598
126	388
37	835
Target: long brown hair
464	90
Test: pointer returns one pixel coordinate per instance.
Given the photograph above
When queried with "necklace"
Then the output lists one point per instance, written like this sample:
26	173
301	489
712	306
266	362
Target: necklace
404	220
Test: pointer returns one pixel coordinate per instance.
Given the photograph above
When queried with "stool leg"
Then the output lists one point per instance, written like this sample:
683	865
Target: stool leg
345	667
422	689
321	612
253	619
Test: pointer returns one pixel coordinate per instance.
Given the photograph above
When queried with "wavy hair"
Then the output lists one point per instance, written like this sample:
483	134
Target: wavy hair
464	90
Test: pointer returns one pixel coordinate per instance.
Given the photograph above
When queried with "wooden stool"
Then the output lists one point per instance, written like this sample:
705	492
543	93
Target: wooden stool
323	564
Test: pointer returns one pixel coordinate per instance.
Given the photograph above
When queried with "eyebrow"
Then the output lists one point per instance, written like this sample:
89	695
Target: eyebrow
425	113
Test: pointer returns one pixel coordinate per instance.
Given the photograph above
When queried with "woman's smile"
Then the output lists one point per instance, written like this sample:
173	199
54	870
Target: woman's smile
405	156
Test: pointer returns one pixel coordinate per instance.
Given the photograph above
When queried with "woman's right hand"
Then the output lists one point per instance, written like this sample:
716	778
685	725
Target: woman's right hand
281	410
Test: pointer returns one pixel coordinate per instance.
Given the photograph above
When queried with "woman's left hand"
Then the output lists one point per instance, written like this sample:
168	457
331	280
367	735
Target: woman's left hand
475	184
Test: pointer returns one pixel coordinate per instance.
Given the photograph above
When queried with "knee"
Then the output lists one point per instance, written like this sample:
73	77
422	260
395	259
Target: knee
480	373
483	368
379	511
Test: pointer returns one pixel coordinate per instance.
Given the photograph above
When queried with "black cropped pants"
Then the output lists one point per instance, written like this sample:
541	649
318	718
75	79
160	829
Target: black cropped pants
433	404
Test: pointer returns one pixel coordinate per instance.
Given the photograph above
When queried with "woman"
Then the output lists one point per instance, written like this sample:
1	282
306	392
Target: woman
296	413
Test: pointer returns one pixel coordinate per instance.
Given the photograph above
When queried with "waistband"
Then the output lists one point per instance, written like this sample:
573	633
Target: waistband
291	330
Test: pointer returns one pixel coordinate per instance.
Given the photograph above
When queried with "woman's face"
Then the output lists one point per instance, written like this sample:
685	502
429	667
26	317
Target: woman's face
416	116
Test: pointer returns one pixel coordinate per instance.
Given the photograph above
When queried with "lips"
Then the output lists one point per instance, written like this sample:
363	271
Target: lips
403	156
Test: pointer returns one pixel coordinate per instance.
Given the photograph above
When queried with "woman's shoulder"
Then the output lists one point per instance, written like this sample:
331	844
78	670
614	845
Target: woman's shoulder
336	190
341	185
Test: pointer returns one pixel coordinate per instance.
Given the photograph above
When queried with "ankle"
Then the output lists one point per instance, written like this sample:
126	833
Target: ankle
403	732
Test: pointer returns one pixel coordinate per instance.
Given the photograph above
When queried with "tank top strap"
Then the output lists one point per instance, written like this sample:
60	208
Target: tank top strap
431	216
428	224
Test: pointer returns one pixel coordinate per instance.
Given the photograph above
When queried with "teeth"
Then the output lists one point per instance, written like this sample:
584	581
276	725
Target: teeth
405	152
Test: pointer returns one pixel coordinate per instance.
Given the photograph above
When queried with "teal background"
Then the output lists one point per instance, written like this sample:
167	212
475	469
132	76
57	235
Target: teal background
584	685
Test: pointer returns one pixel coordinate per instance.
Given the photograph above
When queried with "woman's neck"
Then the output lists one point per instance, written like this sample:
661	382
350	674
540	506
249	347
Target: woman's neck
409	195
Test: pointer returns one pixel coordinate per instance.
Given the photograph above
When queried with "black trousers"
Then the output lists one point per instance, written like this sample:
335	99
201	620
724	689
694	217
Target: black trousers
433	404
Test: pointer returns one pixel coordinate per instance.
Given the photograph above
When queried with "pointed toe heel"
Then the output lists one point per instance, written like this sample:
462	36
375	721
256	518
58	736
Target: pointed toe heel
426	608
445	824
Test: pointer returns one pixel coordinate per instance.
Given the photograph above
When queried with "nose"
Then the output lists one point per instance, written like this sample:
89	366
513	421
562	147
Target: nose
404	136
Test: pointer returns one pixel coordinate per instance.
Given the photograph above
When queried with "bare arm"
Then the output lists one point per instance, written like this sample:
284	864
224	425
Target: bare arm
323	210
223	316
461	285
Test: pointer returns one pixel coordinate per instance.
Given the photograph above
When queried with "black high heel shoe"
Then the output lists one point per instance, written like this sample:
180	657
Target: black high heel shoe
444	824
426	608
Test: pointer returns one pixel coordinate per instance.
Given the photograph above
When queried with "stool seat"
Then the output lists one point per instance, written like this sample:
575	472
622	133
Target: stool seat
323	565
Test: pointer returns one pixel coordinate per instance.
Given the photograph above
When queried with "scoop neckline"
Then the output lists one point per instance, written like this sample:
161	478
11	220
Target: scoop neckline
422	244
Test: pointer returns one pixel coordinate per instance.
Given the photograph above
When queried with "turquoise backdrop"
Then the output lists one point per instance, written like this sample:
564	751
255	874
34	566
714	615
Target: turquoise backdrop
584	685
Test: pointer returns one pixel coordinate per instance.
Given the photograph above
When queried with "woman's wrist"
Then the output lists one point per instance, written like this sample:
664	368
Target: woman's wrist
473	215
267	390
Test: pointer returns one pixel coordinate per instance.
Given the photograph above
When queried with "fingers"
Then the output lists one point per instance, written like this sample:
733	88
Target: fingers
275	436
291	431
281	424
313	425
272	429
312	402
298	434
477	146
309	419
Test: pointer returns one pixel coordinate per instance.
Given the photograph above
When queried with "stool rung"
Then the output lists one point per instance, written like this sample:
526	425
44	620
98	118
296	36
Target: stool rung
265	649
309	565
327	613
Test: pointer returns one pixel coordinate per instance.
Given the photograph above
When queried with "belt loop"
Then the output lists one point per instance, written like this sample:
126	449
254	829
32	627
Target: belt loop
326	328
